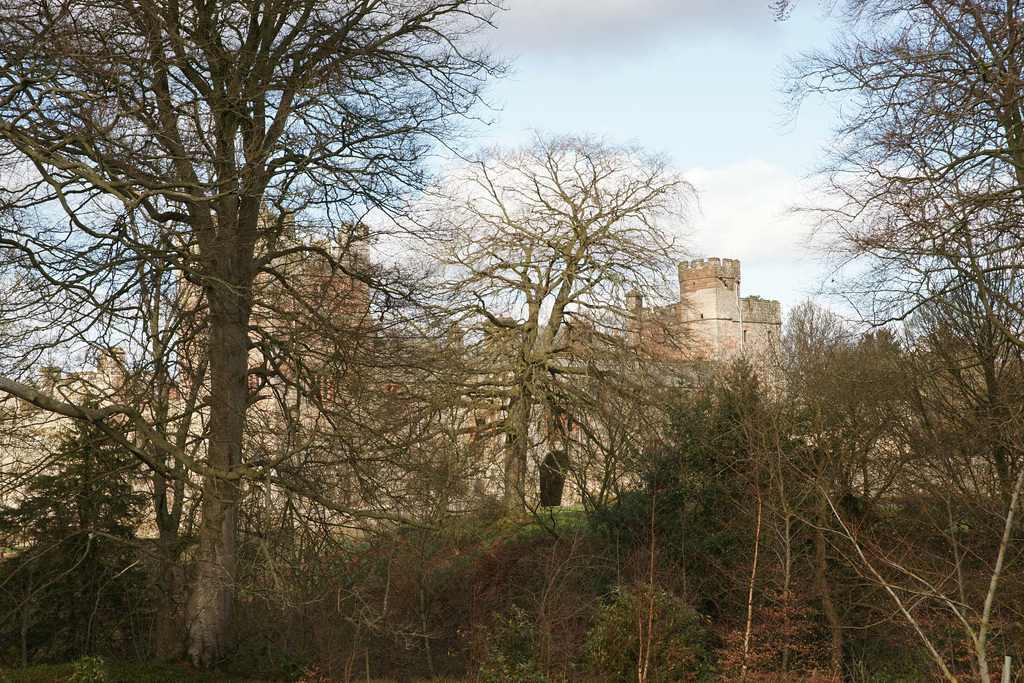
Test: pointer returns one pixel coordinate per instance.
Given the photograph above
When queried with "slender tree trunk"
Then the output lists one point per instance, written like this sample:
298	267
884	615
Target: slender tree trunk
425	628
646	635
750	593
170	592
787	589
824	590
170	576
167	510
26	623
170	579
960	585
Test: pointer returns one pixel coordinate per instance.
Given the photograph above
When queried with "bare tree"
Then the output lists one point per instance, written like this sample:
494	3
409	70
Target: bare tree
927	171
928	176
190	120
846	398
541	246
900	474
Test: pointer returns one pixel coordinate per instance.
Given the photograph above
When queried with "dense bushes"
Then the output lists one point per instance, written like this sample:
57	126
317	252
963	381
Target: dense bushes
645	632
485	601
718	558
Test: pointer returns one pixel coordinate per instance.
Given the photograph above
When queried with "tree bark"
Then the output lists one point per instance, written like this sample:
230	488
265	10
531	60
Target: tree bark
824	590
170	579
552	477
168	623
210	603
517	451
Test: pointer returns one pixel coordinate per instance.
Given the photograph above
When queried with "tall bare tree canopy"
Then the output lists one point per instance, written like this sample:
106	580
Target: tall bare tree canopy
150	137
539	248
928	163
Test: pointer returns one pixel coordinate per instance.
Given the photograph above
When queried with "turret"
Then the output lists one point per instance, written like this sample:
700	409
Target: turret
634	310
708	273
634	301
49	376
110	364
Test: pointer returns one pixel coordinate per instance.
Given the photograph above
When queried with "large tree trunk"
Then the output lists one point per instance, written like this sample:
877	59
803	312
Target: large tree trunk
210	602
552	477
517	442
209	605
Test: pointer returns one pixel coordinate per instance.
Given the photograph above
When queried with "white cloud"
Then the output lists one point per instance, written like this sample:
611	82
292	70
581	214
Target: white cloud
572	25
745	214
744	210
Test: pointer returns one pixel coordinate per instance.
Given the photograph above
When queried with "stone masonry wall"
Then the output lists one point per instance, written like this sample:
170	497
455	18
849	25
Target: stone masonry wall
705	324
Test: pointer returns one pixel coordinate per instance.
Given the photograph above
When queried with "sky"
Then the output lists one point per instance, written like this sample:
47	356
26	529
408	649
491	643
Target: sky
699	80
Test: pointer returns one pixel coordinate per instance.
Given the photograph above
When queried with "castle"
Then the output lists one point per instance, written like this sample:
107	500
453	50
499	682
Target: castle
711	322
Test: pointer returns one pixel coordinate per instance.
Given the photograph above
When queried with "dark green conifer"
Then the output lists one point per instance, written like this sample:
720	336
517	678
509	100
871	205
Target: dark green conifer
74	584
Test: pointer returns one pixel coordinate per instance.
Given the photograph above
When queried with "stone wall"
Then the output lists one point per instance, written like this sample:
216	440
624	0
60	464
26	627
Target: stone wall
705	325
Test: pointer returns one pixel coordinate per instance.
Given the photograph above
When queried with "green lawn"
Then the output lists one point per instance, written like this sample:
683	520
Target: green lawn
136	673
121	673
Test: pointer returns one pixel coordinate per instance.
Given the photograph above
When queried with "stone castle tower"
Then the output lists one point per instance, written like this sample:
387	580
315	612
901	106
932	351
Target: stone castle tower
711	321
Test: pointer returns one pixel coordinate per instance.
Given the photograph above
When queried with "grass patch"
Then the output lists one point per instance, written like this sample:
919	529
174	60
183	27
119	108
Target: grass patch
147	673
123	673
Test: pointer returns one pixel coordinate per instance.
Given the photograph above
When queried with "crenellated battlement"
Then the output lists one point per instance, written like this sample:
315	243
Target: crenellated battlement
710	267
764	311
707	273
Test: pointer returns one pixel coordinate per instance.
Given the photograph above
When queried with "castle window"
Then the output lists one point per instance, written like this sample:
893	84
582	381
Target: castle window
744	336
